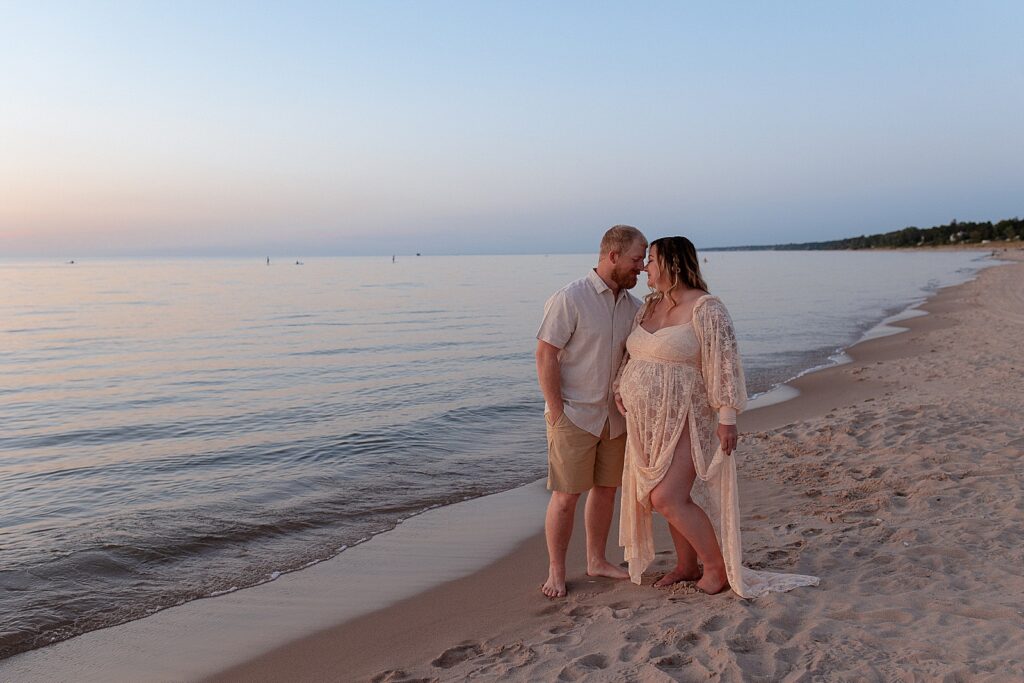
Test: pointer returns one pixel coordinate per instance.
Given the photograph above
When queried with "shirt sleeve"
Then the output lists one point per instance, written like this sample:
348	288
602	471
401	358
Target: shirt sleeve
720	361
559	321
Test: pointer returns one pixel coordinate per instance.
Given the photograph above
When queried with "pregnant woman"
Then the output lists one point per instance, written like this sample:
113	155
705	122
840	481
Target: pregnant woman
680	377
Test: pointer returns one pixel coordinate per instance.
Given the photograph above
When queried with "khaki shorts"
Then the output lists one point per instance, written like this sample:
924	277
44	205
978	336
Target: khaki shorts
578	461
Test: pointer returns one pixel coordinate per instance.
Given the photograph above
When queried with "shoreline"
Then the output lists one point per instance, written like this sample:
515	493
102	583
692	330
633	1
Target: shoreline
222	630
418	619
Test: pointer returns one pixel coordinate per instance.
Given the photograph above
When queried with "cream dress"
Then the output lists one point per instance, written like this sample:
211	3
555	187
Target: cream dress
682	375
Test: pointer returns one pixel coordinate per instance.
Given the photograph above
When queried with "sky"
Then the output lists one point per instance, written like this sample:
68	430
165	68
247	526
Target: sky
335	128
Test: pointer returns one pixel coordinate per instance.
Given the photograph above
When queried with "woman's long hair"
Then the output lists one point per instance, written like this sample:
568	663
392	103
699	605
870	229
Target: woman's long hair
677	258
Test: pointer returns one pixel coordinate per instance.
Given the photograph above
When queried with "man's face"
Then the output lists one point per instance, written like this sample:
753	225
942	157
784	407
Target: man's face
629	265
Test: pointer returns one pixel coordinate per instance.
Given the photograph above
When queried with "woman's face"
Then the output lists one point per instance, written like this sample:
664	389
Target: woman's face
655	273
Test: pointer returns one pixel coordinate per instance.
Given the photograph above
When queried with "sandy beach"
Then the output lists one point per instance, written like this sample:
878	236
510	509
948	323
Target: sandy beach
893	477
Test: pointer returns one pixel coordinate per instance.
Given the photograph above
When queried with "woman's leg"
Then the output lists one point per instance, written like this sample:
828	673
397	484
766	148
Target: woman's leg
671	498
686	561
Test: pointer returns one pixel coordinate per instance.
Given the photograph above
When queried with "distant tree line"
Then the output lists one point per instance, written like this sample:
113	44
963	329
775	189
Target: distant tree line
955	232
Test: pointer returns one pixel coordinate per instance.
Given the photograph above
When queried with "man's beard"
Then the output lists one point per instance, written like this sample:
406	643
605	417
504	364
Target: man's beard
625	280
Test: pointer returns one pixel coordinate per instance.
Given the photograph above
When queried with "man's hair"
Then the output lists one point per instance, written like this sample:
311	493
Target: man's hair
619	238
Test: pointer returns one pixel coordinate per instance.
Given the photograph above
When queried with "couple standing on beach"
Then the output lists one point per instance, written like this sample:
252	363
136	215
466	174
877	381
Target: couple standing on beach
637	395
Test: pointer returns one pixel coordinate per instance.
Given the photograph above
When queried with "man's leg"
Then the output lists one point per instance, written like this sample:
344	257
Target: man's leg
598	516
571	455
558	530
601	504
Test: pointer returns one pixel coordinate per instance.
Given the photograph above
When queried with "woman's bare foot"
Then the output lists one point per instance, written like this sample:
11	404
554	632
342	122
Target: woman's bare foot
678	574
606	569
714	581
554	587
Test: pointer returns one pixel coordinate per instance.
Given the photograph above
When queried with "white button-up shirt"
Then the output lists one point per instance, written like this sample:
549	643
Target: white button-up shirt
590	325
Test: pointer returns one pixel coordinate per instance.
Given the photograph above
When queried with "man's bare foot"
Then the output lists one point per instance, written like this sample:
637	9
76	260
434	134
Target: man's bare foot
606	569
554	587
678	574
713	582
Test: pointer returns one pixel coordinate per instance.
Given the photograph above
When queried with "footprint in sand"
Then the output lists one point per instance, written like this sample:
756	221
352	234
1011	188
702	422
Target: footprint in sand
583	666
743	644
629	652
789	622
516	654
673	662
716	623
658	650
593	661
789	656
637	634
567	639
621	610
687	641
581	612
457	655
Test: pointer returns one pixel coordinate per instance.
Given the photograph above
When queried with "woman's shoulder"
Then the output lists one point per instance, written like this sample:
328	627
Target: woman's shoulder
709	304
703	298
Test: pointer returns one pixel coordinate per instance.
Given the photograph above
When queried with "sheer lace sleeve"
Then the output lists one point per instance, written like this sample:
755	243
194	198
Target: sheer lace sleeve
625	356
720	359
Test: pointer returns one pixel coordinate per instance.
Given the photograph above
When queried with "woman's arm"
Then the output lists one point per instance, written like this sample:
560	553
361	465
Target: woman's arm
721	366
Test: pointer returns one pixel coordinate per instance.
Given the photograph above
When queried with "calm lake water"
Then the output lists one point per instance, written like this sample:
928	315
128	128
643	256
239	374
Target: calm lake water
176	429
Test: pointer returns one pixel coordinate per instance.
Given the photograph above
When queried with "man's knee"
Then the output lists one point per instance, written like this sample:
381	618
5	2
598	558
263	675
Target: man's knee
564	502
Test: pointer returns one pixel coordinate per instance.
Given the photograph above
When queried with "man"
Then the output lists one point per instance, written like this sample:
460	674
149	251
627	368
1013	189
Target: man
580	346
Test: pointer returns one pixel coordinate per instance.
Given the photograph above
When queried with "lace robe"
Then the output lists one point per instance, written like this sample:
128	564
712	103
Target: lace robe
684	375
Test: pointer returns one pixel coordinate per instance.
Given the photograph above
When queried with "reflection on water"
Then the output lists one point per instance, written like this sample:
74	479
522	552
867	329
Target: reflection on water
176	429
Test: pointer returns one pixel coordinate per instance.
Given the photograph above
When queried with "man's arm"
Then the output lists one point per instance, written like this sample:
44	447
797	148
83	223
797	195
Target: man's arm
549	376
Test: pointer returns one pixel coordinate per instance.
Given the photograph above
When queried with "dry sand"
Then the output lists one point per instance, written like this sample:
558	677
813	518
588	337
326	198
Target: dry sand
894	478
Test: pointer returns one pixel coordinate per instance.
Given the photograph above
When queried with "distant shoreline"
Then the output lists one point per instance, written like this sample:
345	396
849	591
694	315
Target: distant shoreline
1007	230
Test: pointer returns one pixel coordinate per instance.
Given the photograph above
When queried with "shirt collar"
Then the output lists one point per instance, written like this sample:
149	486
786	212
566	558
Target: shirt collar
599	285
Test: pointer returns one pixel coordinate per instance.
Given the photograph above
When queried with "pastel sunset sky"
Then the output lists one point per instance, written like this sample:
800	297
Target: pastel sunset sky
334	128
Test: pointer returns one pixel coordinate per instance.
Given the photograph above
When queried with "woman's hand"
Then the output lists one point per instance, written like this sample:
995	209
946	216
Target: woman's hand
618	402
728	436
